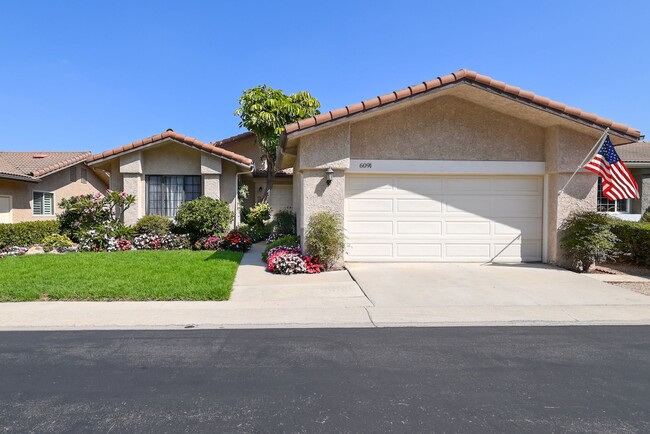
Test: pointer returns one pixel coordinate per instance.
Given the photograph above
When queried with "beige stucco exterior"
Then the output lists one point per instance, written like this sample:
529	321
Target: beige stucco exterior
58	183
460	125
129	170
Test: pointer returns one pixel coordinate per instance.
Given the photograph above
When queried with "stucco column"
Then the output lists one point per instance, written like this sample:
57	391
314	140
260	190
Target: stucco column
132	184
211	186
645	191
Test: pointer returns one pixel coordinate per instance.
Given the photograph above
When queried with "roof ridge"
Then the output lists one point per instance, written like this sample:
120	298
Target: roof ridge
190	141
455	77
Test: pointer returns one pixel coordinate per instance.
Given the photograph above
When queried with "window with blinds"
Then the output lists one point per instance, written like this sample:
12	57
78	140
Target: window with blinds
43	203
166	193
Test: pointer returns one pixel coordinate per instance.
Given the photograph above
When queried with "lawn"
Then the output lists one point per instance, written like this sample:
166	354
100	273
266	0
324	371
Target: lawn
132	275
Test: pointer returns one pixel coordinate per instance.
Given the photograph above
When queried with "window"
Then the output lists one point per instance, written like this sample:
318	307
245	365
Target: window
605	205
43	203
73	174
166	193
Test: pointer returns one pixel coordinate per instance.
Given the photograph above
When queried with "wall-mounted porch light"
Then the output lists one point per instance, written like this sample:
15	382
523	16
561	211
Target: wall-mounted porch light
329	175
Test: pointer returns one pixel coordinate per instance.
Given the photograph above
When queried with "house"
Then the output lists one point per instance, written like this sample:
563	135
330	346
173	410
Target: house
281	197
459	168
33	183
167	169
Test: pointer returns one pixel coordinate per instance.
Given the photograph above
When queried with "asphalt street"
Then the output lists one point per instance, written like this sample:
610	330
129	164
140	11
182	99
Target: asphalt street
470	380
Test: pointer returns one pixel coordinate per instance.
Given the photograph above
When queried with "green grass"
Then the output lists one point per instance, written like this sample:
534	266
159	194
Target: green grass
132	275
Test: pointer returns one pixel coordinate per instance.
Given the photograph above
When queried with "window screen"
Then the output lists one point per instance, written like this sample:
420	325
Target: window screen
166	193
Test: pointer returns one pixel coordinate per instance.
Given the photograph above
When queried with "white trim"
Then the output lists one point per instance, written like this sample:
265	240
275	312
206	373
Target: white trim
31	202
448	167
545	221
11	207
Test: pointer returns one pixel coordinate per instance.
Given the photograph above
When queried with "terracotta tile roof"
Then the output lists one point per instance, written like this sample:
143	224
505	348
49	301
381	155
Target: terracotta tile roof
170	134
280	173
33	165
234	139
638	152
462	75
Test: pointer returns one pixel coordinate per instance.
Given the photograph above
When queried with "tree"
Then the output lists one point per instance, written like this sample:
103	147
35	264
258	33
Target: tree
265	111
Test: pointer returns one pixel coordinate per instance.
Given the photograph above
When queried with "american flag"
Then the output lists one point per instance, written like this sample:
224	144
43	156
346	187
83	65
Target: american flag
618	182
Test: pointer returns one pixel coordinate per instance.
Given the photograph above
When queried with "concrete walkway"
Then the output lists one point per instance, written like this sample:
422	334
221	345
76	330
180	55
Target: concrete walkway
383	295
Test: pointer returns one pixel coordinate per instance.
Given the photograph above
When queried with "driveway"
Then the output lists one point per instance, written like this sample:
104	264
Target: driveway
453	294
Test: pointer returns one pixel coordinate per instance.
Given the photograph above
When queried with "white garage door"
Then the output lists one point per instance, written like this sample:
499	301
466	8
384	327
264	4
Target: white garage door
443	218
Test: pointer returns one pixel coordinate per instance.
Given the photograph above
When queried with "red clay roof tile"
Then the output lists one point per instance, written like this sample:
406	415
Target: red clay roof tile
459	76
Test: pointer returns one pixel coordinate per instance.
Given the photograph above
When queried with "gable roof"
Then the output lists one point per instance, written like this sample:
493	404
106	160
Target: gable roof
462	75
171	134
638	152
30	166
232	140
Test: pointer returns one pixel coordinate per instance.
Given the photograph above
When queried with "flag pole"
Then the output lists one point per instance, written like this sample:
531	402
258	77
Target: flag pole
589	156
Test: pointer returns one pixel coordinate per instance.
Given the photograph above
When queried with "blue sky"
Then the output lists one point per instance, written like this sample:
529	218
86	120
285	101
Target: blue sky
91	75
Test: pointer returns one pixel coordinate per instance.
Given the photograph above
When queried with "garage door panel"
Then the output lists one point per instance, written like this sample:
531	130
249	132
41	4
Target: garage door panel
419	250
365	184
403	219
468	205
370	205
419	228
418	205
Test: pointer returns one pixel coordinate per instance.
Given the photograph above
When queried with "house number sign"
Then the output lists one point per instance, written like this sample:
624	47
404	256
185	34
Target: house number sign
365	165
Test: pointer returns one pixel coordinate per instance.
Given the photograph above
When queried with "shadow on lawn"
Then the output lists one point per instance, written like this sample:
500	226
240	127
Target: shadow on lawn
226	256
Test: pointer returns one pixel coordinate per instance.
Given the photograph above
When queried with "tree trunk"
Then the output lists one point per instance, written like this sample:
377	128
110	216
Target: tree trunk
270	179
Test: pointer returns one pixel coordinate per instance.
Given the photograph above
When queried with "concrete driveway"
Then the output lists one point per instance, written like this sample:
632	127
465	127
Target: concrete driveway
460	294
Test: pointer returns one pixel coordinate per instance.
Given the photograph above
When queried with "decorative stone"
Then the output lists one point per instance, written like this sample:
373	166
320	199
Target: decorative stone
35	250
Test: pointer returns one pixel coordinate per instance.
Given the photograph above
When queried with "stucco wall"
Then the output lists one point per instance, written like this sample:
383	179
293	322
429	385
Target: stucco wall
317	196
58	183
446	128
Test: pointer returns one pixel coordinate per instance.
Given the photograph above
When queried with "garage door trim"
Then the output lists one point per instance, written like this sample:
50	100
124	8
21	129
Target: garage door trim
447	167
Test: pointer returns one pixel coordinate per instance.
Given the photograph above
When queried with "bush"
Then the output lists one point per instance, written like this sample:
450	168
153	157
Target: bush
26	234
91	212
236	241
289	263
285	222
259	214
587	239
207	243
633	240
202	217
286	241
257	233
276	252
152	225
56	242
324	238
157	242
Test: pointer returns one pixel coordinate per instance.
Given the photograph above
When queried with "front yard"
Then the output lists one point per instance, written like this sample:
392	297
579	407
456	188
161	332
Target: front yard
129	275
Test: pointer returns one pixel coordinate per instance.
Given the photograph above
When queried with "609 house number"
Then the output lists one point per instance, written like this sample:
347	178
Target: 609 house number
365	165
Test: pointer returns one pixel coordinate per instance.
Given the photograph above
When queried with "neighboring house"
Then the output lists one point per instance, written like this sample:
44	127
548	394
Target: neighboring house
167	169
637	158
33	183
281	197
459	168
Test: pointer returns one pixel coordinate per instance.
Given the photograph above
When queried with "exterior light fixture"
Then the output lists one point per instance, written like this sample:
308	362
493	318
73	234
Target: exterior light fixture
329	175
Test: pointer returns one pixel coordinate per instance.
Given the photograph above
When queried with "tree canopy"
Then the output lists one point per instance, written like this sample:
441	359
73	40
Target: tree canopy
265	111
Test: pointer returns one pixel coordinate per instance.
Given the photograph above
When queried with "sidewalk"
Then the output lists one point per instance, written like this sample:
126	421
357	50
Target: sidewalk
265	300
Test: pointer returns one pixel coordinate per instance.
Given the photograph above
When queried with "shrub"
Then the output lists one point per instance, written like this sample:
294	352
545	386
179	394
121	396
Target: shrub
258	214
324	238
86	212
313	265
645	218
285	222
202	217
286	241
207	243
257	233
288	263
147	242
153	225
26	234
236	241
119	245
174	242
633	240
587	239
56	242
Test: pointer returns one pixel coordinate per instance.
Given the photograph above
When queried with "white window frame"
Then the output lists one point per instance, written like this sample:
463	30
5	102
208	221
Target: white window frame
53	203
616	202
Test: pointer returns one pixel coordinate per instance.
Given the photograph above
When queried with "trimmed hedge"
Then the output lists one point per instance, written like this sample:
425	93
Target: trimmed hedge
26	234
633	240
